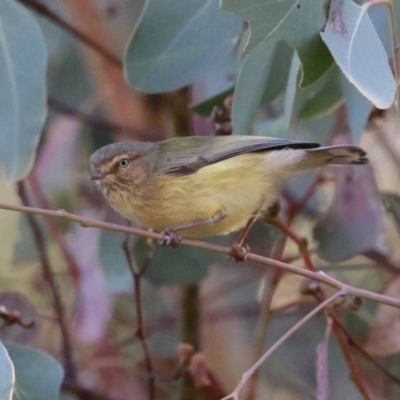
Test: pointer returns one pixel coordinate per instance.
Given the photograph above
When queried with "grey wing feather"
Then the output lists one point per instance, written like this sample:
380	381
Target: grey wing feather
193	153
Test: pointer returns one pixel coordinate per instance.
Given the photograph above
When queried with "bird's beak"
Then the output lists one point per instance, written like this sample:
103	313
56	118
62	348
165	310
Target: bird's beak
96	175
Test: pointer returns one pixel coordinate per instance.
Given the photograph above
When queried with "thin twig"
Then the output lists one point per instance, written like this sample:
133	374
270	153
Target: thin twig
354	369
69	366
55	231
43	10
190	334
234	395
303	248
382	261
101	123
368	356
317	276
140	334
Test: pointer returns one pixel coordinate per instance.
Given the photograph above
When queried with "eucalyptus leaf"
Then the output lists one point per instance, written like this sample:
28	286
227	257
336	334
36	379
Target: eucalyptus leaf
322	97
38	376
357	49
7	374
179	42
298	22
250	87
279	73
358	109
23	57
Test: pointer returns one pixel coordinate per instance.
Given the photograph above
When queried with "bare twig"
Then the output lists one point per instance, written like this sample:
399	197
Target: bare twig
365	354
354	368
140	334
56	233
320	295
317	276
102	123
190	334
235	394
70	370
43	10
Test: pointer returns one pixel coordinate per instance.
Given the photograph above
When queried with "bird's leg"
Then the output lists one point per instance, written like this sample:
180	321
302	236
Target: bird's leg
171	238
238	251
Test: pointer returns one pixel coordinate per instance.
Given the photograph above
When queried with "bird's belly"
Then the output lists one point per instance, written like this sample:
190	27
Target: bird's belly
236	187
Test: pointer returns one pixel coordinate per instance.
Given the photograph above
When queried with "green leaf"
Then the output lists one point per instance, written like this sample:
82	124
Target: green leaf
357	49
7	375
322	97
298	22
179	42
279	73
38	376
291	89
23	109
181	266
358	109
316	100
250	87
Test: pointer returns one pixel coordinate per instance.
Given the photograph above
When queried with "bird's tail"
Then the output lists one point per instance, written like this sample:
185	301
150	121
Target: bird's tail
333	155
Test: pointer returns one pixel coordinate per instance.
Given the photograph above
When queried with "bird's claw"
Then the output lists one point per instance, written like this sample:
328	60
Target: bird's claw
239	253
170	238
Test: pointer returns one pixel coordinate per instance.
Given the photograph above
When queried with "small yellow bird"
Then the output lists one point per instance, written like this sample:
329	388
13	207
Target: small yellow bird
204	186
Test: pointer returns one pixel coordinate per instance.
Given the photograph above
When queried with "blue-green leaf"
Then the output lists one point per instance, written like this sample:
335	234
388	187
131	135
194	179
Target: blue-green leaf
358	110
38	376
23	109
298	22
250	87
179	42
357	49
7	375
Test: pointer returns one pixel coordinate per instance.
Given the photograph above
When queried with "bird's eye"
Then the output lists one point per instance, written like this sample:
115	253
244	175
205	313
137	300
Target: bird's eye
123	163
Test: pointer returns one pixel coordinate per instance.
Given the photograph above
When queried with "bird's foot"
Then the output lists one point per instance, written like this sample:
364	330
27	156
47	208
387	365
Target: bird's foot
239	252
170	238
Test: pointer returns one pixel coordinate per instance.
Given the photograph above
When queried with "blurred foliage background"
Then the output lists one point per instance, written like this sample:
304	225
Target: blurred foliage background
79	74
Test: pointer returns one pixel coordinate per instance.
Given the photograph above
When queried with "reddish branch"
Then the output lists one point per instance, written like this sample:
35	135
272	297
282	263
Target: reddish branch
46	12
140	333
69	366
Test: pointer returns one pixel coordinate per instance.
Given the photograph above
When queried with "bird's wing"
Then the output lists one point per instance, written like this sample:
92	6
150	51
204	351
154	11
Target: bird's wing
192	153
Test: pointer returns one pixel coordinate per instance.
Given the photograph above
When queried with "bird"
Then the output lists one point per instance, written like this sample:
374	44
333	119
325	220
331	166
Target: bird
200	186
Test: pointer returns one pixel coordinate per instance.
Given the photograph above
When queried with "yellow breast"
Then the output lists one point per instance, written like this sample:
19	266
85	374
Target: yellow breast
236	186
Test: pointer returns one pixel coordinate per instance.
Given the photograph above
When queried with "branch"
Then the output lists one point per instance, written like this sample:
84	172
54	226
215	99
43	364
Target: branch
317	276
137	274
70	370
101	123
235	394
44	11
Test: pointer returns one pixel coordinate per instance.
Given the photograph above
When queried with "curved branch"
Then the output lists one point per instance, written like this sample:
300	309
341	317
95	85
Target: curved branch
317	276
